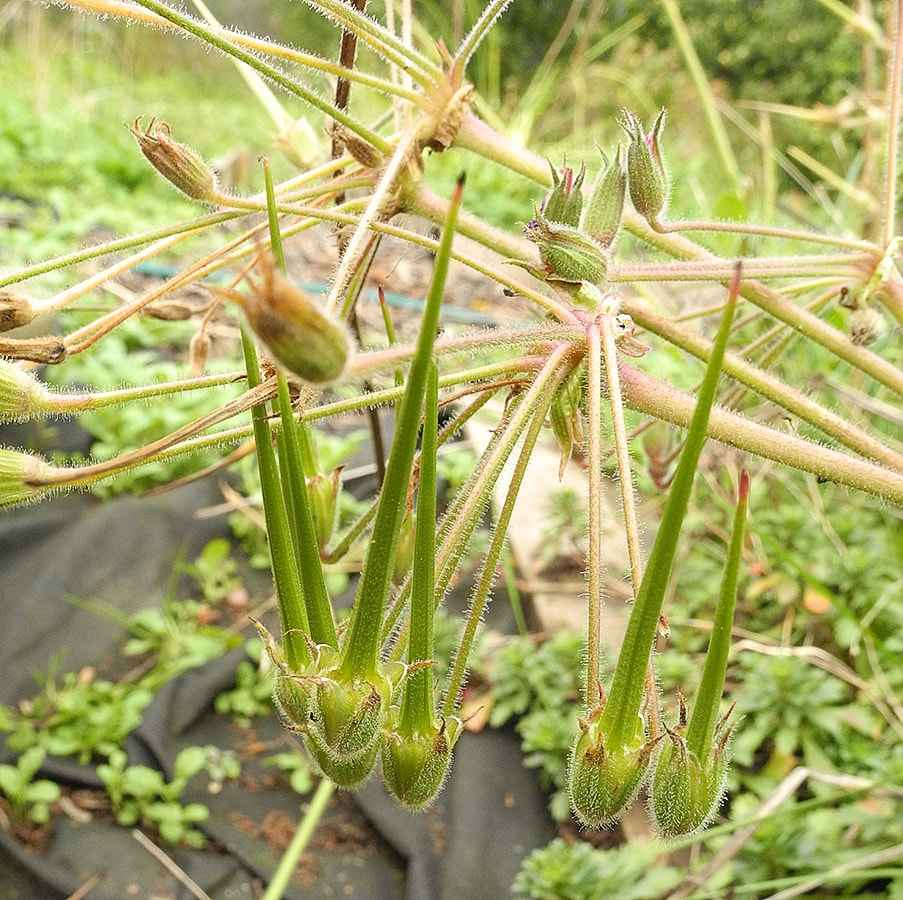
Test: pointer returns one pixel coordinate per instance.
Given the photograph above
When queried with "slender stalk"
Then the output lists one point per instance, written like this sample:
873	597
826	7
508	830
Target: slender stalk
77	403
482	27
210	36
292	613
381	40
704	717
654	398
892	161
768	386
417	708
620	714
90	474
283	875
603	330
359	658
594	476
458	670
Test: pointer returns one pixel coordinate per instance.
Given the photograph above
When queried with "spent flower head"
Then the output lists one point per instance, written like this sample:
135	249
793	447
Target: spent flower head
299	335
16	310
177	163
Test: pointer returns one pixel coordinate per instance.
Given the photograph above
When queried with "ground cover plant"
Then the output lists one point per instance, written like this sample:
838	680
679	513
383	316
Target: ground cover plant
789	366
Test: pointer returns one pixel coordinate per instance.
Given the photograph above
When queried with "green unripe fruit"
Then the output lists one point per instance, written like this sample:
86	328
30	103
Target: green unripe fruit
22	477
21	394
604	781
347	772
346	715
566	252
684	792
414	766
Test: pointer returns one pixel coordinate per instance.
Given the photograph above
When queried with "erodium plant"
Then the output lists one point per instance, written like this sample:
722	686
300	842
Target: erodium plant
365	691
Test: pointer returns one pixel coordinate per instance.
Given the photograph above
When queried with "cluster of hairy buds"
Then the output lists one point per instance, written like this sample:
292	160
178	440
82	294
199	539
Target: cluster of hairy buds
345	723
574	234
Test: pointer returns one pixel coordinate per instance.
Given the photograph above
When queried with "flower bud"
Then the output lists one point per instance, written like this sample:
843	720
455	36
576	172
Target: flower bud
16	310
414	766
566	252
685	792
604	781
866	325
648	180
298	334
291	691
566	417
602	216
404	551
565	201
178	164
324	492
18	473
21	394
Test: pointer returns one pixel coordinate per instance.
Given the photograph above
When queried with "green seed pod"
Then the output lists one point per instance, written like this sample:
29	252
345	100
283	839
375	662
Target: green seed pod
604	781
685	792
602	215
414	766
178	164
347	772
299	335
648	180
18	473
565	201
346	715
22	396
566	252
